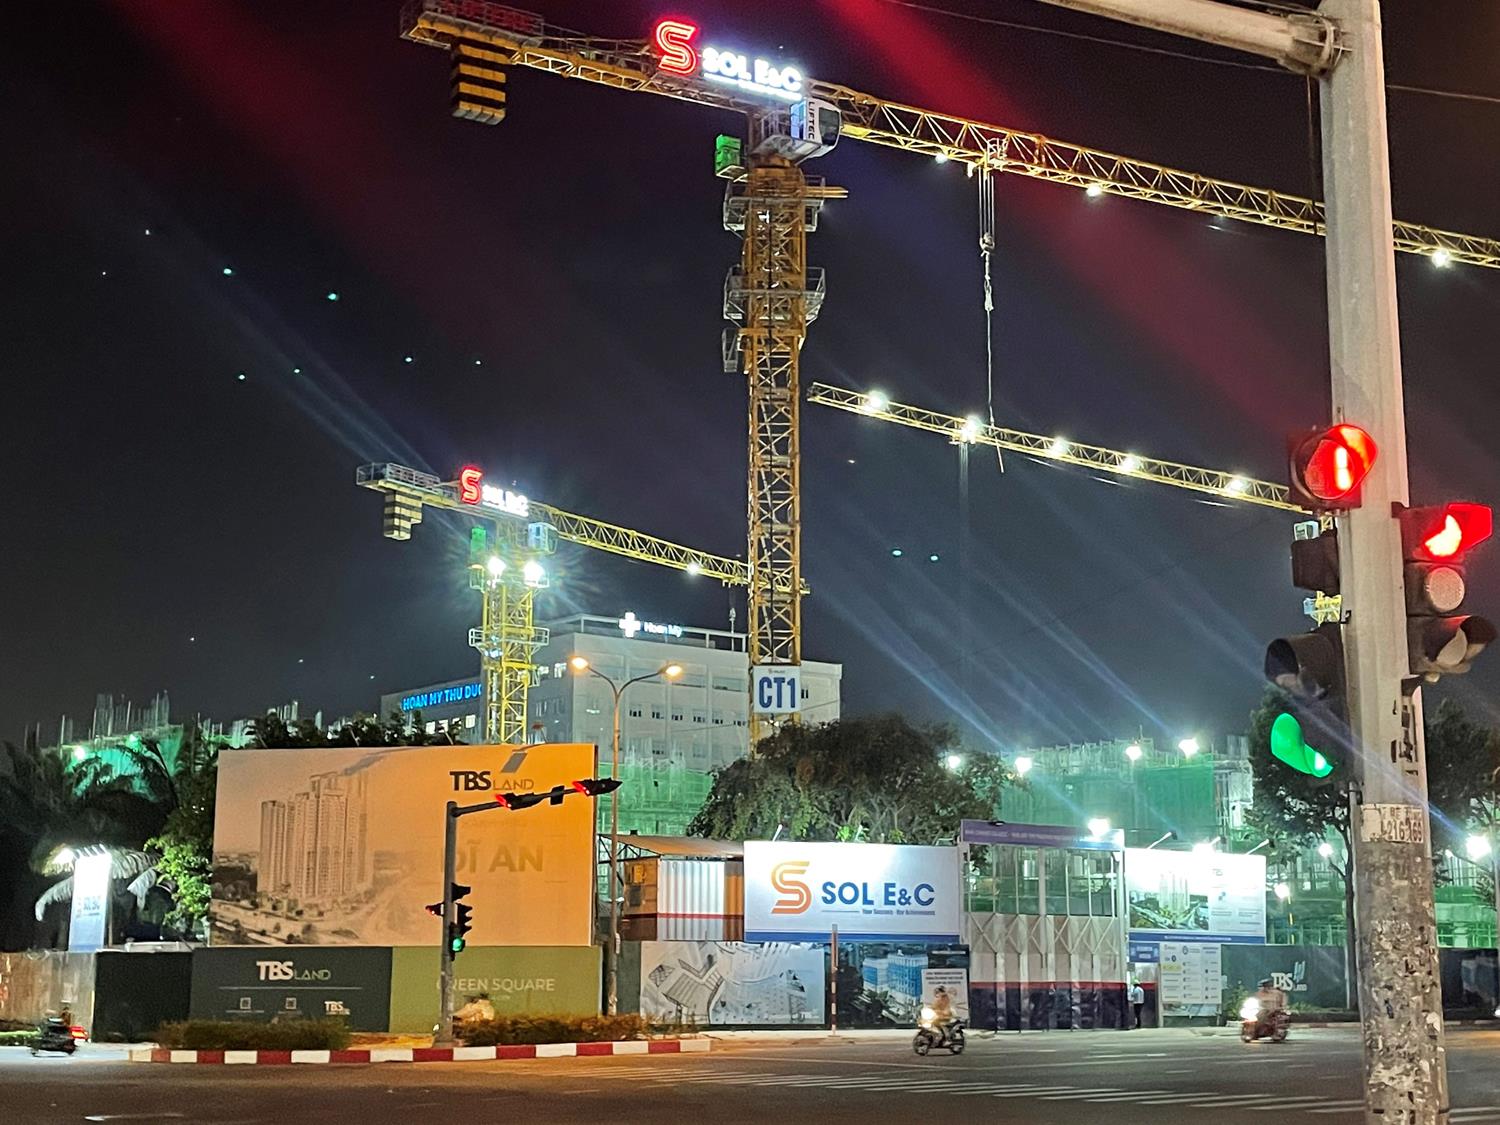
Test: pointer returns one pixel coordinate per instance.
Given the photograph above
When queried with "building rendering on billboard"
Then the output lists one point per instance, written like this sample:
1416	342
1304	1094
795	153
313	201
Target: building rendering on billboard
345	846
1195	896
870	892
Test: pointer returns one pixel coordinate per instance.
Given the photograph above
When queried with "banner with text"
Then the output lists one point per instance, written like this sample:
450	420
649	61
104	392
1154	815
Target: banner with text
800	892
345	846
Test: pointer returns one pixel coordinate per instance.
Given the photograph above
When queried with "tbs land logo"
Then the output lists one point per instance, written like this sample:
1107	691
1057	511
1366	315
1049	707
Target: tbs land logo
472	781
787	879
287	971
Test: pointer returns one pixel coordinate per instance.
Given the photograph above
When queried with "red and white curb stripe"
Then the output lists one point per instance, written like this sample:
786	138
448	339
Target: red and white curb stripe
425	1054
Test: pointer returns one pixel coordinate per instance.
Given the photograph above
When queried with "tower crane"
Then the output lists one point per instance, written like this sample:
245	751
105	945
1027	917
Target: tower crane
1059	450
505	567
772	295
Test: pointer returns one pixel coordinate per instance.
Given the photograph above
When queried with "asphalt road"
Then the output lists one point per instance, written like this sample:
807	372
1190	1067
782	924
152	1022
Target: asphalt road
1057	1078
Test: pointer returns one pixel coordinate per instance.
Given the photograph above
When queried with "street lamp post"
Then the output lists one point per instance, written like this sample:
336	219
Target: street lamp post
580	665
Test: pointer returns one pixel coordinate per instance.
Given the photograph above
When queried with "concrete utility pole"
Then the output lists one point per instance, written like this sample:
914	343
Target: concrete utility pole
1400	999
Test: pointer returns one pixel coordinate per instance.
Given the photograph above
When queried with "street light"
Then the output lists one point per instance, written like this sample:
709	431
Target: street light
496	566
1023	766
580	664
1477	847
954	762
1325	849
1133	752
1283	892
1188	746
1098	828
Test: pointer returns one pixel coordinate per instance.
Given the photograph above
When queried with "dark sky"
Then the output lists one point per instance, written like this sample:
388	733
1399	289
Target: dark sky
170	525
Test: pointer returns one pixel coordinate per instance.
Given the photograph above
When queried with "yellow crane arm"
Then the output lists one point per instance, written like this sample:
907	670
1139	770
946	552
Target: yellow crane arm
1116	462
421	489
525	39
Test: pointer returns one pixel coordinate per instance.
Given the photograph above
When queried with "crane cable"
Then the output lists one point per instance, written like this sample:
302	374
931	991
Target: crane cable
986	251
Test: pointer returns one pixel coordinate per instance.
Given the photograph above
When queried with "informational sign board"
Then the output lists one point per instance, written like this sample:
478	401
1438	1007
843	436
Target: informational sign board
1185	896
90	913
799	892
954	983
345	846
776	689
1190	978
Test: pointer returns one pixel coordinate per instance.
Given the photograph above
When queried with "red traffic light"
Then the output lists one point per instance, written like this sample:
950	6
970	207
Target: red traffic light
1328	466
1444	532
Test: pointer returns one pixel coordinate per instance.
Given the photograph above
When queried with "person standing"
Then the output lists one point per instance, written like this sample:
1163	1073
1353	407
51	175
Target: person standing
1137	1001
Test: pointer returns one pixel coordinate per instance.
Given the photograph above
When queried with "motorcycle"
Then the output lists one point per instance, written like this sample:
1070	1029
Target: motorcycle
1256	1024
930	1035
56	1034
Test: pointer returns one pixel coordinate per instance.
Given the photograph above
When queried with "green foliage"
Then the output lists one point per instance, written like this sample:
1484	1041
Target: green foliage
243	1035
877	779
17	1038
552	1029
1463	765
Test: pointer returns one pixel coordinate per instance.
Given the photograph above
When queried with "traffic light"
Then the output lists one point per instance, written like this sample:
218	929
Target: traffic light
460	924
1312	735
596	786
1435	543
520	800
1326	465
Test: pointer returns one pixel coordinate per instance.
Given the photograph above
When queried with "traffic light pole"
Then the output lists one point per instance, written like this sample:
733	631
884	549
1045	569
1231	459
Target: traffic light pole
1399	997
443	1037
1400	1000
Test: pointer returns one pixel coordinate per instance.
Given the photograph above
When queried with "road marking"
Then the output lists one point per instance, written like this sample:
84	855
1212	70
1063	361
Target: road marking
131	1116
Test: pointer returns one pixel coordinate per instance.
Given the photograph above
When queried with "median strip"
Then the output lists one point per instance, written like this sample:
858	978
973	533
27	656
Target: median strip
424	1054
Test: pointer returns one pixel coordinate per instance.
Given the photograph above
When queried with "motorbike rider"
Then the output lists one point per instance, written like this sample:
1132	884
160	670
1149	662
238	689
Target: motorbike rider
942	1012
1271	1000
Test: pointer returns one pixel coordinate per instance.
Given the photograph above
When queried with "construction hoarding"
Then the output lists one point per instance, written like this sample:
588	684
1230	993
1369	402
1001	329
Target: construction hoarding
516	981
345	846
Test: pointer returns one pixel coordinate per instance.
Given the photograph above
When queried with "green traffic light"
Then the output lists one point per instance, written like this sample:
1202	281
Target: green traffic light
456	945
1288	745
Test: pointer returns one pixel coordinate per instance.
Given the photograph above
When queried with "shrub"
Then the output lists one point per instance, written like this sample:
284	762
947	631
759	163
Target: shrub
551	1029
16	1038
242	1035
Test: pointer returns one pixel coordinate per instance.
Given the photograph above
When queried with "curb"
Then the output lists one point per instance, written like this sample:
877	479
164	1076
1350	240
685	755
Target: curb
423	1054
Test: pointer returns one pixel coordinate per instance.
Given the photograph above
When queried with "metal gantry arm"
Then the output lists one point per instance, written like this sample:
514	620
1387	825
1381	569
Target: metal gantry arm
1053	448
527	40
424	489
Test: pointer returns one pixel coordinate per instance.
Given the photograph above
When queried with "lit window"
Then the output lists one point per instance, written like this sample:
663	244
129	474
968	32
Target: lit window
470	722
560	669
656	713
635	712
432	728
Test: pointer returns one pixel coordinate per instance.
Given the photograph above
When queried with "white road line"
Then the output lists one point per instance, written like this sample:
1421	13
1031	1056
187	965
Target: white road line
1124	1097
1040	1090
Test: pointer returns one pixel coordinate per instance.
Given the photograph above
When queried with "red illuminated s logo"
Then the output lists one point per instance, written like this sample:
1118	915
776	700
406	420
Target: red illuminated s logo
468	484
795	896
673	39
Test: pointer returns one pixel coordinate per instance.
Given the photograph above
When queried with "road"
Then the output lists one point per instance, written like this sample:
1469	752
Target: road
1057	1078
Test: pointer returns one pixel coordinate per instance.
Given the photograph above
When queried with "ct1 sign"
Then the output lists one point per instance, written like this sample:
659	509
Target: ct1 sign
775	689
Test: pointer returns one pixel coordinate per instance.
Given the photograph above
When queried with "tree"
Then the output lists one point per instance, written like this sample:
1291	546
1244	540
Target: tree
1296	811
1463	769
876	779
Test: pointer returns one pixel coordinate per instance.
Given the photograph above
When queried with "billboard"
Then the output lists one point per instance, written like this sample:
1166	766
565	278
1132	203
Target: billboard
345	846
733	983
1188	896
799	892
303	983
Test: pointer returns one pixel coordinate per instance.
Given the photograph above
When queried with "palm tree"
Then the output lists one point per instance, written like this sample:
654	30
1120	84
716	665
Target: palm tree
135	868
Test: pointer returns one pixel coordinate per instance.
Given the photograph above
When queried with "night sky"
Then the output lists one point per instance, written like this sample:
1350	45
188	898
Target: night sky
185	182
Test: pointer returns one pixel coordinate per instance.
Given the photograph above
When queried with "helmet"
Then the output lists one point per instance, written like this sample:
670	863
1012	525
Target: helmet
1266	983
